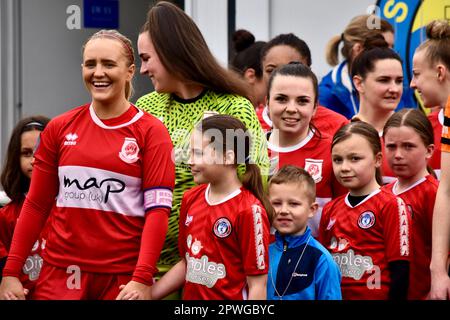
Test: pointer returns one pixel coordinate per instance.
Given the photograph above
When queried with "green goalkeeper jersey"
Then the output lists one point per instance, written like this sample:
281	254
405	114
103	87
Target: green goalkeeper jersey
180	117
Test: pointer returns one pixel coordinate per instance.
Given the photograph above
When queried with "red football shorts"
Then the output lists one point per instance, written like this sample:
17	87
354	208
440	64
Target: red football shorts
72	284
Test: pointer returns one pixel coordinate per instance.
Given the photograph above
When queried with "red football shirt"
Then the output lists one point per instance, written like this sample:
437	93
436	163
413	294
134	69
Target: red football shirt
419	199
222	243
106	176
437	121
364	239
314	155
328	121
263	117
33	263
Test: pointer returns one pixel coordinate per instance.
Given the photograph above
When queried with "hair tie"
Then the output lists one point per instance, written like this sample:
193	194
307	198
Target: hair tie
34	123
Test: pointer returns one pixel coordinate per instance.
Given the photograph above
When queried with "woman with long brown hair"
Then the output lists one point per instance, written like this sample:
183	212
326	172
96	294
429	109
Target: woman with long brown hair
189	86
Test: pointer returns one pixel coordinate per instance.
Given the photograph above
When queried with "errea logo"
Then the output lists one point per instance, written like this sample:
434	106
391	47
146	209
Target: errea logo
71	139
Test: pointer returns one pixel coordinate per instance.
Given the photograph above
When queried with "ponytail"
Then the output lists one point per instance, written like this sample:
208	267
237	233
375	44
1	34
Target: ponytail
332	50
236	137
430	170
379	176
252	181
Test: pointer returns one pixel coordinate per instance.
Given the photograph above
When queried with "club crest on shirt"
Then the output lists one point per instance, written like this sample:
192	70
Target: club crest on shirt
130	151
222	228
366	220
314	168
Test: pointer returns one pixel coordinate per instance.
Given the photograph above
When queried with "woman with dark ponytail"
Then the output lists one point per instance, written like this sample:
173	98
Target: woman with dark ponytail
337	91
224	223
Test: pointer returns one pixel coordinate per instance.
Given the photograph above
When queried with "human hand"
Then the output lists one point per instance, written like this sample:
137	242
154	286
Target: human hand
134	290
11	289
440	287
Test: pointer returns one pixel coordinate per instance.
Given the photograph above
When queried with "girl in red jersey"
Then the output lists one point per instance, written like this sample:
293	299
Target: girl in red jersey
103	173
367	230
224	225
15	179
292	103
431	78
408	138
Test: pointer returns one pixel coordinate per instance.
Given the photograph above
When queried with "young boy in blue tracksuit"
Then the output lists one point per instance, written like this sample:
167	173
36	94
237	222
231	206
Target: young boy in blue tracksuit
300	267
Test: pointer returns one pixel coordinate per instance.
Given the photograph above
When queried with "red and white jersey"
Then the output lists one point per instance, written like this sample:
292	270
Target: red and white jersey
110	174
437	121
314	155
364	239
263	116
419	199
222	243
33	264
326	121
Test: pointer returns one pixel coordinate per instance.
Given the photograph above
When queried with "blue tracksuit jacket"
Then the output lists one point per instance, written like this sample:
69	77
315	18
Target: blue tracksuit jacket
317	276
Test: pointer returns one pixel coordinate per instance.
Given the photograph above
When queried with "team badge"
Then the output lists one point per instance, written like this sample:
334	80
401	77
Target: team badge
130	151
314	168
366	220
222	228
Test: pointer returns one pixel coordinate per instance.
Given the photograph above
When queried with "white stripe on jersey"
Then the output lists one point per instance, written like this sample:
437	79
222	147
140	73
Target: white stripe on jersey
438	173
92	188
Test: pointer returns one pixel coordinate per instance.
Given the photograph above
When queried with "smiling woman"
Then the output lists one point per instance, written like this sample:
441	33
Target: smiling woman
112	198
190	85
292	102
108	68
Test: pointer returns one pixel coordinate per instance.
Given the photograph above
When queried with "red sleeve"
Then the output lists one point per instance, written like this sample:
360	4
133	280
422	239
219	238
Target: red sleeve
152	241
253	236
158	168
429	201
324	223
38	203
7	224
181	227
397	230
158	184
